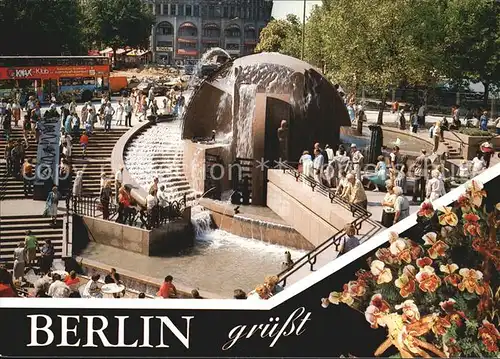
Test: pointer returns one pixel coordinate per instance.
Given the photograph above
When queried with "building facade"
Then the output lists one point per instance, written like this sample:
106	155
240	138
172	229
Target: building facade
185	29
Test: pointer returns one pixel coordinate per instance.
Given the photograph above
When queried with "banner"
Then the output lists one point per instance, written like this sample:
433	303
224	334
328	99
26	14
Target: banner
361	319
47	156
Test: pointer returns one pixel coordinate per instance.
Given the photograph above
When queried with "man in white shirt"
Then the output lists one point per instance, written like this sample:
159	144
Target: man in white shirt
118	181
151	95
421	115
318	165
162	197
58	289
128	113
355	193
151	207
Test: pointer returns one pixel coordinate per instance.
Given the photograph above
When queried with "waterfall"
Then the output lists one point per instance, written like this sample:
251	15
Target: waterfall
201	220
244	144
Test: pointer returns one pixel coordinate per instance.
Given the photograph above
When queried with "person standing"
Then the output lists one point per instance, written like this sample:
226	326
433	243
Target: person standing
349	240
420	172
307	164
128	114
395	157
283	140
357	161
151	96
27	173
487	150
51	204
483	121
401	205
78	185
19	261
119	114
31	245
16	113
380	174
109	112
152	209
118	182
318	165
435	186
355	193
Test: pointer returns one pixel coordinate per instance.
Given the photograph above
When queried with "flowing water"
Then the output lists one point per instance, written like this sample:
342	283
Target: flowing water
220	261
244	144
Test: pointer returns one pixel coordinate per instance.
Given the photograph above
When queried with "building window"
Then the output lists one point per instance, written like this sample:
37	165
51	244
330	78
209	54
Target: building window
225	12
204	11
188	29
158	9
232	12
186	45
173	9
218	11
211	32
189	10
211	11
196	11
181	10
164	28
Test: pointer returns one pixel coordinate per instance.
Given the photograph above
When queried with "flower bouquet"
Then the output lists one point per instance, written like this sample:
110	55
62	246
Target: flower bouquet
438	295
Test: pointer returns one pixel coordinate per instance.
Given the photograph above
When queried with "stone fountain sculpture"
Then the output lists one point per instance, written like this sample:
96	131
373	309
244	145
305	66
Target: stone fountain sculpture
246	100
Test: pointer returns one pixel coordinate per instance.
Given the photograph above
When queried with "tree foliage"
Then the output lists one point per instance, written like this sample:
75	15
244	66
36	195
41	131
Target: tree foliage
282	36
471	49
118	23
50	27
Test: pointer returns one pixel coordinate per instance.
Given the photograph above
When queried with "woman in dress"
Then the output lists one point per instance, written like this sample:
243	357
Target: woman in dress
77	185
16	112
380	174
47	251
19	261
105	200
435	186
400	180
119	114
92	289
388	205
51	204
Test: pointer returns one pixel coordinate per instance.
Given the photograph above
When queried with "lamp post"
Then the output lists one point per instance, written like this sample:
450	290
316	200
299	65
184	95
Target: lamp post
303	31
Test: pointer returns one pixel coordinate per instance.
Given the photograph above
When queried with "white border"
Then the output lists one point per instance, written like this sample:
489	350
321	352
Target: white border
230	304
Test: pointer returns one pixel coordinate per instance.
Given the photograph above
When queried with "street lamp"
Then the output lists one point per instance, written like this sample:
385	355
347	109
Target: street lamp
303	31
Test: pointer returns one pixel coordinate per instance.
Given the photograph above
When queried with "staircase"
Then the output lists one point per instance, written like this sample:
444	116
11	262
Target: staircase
159	152
13	230
97	160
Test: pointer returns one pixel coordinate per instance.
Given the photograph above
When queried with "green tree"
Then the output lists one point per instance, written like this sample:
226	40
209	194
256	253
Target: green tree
315	38
283	36
472	43
118	23
49	27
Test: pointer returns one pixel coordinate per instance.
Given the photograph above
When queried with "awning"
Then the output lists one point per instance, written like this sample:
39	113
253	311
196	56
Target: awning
232	26
137	52
107	50
211	26
187	41
187	52
188	24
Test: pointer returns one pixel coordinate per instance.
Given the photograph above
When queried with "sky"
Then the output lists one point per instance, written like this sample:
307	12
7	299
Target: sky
283	7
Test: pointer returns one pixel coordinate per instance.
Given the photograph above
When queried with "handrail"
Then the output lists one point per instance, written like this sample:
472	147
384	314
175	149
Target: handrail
357	211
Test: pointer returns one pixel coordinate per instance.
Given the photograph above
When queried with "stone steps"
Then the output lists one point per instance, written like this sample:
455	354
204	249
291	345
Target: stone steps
13	231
